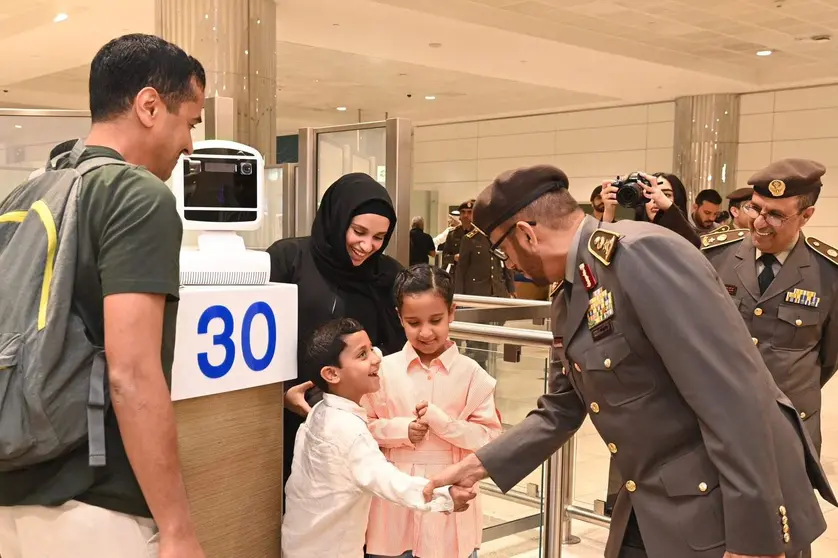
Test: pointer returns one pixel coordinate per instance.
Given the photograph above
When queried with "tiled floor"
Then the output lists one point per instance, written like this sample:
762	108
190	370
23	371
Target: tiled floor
519	386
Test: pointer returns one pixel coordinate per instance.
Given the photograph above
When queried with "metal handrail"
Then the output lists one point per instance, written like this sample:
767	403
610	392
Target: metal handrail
497	302
559	508
499	334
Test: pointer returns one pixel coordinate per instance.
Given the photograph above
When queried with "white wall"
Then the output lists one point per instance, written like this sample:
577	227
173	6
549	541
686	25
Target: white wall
794	123
459	160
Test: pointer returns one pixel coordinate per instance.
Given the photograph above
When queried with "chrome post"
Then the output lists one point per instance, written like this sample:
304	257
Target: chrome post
551	536
568	465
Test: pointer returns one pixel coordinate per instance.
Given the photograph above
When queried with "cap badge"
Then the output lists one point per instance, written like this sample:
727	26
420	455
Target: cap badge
777	188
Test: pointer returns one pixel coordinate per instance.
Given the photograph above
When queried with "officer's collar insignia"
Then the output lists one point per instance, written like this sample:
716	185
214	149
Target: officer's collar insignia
804	298
587	276
474	232
714	238
603	245
823	249
723	228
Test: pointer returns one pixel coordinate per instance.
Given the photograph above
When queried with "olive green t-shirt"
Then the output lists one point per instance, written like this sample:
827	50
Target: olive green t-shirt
129	242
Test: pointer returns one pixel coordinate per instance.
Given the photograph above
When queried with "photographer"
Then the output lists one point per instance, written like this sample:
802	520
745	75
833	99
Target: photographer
666	205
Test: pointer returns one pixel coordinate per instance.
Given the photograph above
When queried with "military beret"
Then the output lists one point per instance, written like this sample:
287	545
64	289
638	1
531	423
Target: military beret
787	178
512	191
467	205
741	194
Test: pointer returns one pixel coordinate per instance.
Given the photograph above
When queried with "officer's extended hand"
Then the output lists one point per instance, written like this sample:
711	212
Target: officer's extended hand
461	497
464	474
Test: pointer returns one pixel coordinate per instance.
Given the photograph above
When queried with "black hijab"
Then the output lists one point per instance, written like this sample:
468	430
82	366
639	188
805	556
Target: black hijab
367	288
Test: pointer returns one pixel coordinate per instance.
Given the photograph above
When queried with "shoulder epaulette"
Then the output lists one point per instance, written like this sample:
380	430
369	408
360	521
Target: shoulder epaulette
603	245
823	249
720	239
723	228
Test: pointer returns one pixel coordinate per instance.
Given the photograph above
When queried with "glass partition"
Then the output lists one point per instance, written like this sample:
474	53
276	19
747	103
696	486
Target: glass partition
28	136
512	522
343	152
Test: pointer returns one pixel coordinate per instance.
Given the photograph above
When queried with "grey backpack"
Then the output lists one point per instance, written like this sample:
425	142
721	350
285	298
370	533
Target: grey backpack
53	380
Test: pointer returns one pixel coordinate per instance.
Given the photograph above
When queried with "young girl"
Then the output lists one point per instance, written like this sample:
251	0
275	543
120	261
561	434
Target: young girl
434	407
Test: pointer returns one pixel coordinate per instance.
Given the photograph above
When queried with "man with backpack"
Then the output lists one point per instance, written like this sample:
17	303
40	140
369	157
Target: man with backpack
89	253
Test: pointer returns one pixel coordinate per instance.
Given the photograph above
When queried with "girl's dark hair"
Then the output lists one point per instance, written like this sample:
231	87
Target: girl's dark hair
679	196
421	278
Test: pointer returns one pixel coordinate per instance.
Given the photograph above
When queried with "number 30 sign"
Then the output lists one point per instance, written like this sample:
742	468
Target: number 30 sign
231	338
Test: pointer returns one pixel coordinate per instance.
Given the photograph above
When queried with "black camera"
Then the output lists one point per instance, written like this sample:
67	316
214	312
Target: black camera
630	191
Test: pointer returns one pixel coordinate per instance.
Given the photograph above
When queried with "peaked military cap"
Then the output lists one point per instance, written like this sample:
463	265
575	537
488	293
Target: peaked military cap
467	205
512	191
787	178
741	194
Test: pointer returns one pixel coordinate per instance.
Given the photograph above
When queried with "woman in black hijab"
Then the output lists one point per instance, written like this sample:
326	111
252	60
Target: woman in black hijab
341	271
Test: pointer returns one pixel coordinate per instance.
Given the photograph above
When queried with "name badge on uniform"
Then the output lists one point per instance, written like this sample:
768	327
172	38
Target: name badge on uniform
600	307
804	298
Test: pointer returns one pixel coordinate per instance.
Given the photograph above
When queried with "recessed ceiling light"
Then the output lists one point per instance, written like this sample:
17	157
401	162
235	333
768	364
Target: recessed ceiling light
342	109
765	52
430	97
59	18
18	126
435	45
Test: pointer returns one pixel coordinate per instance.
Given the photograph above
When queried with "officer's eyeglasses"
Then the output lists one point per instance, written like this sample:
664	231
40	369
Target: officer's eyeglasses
773	218
495	248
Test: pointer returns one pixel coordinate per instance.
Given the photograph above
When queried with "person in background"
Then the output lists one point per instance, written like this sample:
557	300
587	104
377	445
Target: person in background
784	284
337	466
342	272
451	251
598	205
736	199
146	95
422	245
453	223
705	210
666	206
434	407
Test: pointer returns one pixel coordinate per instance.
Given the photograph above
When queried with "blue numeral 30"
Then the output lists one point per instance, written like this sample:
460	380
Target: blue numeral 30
225	339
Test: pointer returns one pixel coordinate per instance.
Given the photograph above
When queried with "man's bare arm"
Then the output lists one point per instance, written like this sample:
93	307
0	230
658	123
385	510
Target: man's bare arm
143	406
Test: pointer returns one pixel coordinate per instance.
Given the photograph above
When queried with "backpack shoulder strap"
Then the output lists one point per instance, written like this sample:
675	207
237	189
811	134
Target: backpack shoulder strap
93	164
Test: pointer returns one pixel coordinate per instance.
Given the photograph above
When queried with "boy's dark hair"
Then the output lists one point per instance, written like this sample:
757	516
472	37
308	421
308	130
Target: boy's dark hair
421	278
324	348
710	196
126	65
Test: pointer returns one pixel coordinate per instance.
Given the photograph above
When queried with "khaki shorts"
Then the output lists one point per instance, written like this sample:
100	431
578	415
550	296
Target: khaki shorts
75	530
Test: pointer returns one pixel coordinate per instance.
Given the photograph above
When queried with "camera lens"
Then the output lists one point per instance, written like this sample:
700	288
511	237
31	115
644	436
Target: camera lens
630	195
247	168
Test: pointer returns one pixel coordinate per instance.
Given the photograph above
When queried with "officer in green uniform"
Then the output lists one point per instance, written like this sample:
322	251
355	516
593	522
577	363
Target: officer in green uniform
451	250
784	284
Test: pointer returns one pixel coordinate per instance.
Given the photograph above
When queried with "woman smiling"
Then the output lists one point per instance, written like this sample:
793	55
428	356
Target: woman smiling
341	272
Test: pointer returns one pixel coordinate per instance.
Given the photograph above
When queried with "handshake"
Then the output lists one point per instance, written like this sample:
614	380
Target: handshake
462	477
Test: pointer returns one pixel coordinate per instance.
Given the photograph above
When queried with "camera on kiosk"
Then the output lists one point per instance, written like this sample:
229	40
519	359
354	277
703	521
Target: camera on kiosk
220	189
630	191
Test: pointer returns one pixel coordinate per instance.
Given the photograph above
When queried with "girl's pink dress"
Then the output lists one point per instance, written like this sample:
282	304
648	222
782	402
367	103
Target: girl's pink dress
462	417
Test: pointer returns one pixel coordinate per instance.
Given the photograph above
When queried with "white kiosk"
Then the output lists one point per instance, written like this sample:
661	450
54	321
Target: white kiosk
236	343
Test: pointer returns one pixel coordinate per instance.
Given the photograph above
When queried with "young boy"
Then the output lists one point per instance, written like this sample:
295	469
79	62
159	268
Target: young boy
337	465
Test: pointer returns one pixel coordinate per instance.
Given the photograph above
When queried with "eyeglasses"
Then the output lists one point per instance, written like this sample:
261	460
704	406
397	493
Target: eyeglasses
773	218
496	251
